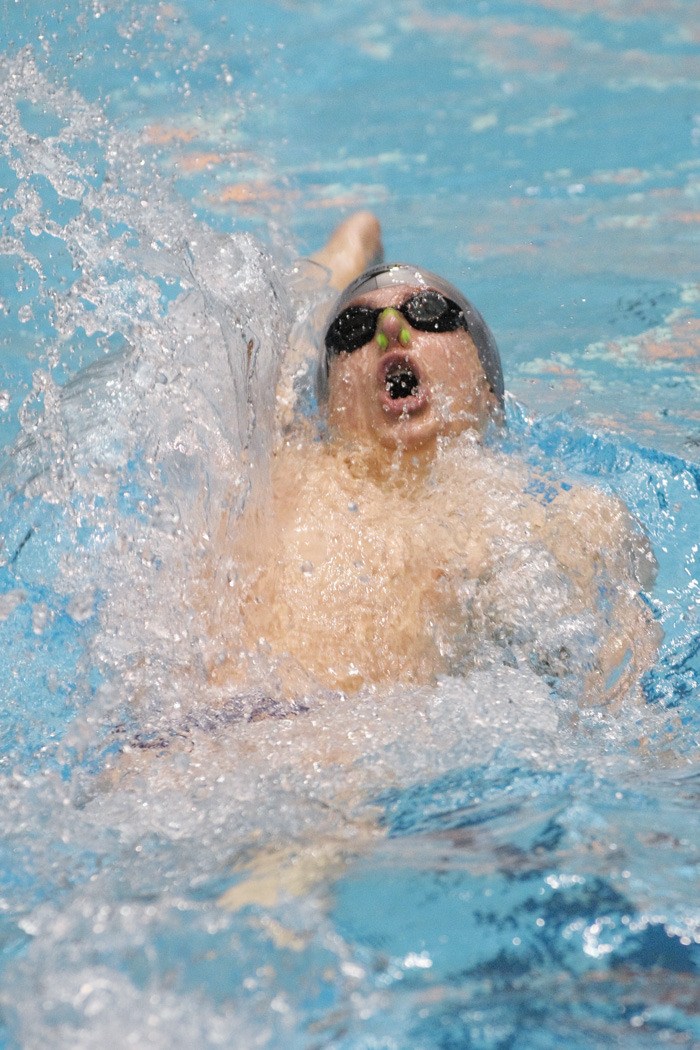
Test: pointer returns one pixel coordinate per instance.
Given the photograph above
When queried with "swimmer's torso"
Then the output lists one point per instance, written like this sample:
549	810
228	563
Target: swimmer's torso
369	579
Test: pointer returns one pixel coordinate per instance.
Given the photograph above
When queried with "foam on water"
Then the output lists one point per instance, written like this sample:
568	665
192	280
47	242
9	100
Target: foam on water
483	838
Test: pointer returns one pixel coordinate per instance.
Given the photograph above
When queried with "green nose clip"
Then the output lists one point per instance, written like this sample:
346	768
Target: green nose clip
404	334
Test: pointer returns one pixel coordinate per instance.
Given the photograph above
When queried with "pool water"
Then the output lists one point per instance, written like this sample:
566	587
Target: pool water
487	866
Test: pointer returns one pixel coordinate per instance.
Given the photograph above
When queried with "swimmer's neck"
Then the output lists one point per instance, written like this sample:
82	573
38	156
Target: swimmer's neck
400	467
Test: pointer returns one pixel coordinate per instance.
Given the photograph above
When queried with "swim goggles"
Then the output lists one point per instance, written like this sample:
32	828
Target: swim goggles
425	310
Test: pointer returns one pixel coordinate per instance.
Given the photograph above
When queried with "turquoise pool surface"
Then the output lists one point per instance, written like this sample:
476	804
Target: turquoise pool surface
530	879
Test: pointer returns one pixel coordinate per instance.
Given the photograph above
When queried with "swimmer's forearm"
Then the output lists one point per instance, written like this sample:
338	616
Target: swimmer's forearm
626	652
351	248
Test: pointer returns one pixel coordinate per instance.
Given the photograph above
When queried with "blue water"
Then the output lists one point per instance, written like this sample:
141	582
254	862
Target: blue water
535	882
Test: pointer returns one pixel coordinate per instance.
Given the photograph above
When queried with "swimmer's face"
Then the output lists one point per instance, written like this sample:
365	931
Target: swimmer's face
405	388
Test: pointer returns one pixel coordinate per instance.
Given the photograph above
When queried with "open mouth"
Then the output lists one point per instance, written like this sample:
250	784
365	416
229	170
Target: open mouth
402	382
400	379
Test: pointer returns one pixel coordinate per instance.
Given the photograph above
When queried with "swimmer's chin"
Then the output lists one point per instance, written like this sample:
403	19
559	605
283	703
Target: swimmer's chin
410	427
379	437
424	433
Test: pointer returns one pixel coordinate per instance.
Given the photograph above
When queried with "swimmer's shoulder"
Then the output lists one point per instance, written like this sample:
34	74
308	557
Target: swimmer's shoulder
583	522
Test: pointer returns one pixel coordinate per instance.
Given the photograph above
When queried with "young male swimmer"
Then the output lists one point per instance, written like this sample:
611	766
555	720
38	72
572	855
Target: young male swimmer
399	547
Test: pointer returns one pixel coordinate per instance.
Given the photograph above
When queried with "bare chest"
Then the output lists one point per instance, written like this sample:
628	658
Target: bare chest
376	547
359	578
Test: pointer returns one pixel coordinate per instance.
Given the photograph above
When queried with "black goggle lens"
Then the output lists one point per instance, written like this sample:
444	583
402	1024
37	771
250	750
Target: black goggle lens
351	329
426	311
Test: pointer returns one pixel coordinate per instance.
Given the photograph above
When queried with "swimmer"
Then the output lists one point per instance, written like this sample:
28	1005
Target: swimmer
399	546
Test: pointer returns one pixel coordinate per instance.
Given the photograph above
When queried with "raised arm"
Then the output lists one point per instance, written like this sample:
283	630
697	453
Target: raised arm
353	246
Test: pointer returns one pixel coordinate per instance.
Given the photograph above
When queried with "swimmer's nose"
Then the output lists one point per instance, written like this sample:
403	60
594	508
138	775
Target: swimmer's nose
392	328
